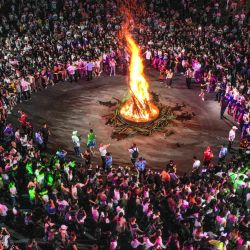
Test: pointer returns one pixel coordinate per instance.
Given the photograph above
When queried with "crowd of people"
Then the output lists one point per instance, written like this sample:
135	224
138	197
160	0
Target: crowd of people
46	42
59	203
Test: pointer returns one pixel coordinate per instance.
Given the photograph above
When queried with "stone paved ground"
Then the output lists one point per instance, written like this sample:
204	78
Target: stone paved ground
75	106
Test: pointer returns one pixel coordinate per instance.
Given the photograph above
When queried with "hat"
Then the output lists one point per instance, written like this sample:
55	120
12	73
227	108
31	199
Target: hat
63	227
74	132
234	127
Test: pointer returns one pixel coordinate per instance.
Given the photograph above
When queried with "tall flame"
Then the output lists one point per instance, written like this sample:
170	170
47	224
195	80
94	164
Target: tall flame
138	108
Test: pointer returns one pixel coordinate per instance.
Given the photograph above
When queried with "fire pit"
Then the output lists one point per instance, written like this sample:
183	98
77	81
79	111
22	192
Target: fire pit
139	107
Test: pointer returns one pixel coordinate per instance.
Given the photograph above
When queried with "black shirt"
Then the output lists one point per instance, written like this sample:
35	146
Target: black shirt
45	133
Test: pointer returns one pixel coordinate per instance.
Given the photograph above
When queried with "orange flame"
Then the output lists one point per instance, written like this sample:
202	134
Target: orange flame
138	108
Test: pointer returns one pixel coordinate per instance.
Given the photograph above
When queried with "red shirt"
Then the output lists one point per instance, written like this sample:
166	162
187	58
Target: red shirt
22	119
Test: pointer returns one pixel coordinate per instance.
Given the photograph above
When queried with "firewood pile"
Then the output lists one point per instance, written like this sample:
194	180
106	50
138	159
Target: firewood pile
123	128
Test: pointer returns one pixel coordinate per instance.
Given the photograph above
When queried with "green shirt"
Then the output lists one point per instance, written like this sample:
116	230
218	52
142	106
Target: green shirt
91	137
32	193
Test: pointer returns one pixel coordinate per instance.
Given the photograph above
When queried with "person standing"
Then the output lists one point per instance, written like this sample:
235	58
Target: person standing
189	75
134	153
76	143
148	56
223	106
231	137
108	161
91	142
223	153
140	165
103	152
89	67
169	78
207	156
112	65
202	93
25	86
39	140
23	121
196	163
45	133
88	157
71	70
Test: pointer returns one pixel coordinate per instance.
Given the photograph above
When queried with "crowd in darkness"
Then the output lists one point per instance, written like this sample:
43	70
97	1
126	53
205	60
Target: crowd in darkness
61	204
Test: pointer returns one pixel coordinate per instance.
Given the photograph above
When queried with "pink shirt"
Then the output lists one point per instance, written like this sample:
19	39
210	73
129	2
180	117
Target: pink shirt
95	214
24	85
71	69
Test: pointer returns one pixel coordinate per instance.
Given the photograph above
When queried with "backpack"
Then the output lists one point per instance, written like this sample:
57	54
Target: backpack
135	154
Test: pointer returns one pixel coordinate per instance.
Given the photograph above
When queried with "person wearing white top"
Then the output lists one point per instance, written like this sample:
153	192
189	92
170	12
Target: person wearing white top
103	152
76	143
196	164
134	153
231	137
148	56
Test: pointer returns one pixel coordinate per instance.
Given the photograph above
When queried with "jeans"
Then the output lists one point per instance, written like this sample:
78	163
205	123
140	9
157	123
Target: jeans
77	151
188	82
112	70
133	160
26	95
89	74
169	82
222	111
13	200
142	175
19	96
230	143
72	77
103	162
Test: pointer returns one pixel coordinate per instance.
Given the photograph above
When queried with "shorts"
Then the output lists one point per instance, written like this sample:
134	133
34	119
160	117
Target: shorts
91	144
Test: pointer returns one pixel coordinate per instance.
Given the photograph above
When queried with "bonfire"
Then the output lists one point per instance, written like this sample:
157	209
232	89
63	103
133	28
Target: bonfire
139	107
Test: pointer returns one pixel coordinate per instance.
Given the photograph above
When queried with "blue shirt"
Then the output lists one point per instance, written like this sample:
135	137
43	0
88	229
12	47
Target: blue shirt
109	161
39	139
223	152
89	66
140	165
61	154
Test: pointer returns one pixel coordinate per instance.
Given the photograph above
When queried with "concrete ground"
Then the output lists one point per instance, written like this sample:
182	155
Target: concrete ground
75	106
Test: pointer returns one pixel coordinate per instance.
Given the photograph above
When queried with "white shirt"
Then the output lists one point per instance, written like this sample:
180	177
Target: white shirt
148	54
75	141
231	135
196	164
103	151
24	141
